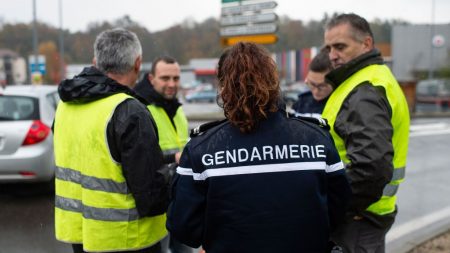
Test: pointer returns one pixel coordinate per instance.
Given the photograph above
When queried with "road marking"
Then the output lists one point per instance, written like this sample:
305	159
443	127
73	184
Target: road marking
417	224
432	126
429	129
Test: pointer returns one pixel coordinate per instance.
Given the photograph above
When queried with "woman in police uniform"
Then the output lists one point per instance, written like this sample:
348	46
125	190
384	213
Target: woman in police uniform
259	181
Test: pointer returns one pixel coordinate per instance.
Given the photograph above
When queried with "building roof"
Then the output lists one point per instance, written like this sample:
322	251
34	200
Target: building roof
8	52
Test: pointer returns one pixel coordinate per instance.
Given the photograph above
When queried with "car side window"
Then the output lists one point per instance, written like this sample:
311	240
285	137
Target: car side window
18	108
53	99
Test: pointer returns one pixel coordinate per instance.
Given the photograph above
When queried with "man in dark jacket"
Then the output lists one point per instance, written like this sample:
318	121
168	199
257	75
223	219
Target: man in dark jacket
109	194
312	102
369	120
159	89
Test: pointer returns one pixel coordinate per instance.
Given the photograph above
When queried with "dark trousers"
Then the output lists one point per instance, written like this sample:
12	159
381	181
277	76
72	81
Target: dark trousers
78	248
360	236
172	244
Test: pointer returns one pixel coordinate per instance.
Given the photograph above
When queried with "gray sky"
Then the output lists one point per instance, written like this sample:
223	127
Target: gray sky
161	14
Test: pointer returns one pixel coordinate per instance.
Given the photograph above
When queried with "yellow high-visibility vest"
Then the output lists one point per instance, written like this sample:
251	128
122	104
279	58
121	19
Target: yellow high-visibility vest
171	140
377	75
93	204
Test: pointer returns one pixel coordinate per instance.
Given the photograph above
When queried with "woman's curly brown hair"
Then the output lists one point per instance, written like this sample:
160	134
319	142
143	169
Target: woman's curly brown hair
248	84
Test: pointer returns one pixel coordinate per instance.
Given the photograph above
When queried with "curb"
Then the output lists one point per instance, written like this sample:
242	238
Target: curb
402	238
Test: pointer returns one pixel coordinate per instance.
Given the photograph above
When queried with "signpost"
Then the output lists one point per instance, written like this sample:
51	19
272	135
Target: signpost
260	39
248	7
231	1
248	29
252	22
36	65
239	20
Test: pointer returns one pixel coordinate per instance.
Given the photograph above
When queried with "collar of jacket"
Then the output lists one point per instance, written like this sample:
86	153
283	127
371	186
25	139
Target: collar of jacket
145	90
339	75
90	85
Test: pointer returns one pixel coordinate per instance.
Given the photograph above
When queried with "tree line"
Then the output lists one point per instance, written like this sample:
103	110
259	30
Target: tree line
183	41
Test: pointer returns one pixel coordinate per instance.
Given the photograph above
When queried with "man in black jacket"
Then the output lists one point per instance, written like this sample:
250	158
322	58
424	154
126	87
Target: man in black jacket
369	120
109	194
159	89
312	102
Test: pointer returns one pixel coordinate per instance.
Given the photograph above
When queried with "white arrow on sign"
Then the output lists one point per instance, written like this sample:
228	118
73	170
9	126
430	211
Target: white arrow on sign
248	29
248	7
238	20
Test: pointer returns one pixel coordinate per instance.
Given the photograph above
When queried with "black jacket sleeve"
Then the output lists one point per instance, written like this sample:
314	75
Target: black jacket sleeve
134	144
186	214
365	126
169	158
339	191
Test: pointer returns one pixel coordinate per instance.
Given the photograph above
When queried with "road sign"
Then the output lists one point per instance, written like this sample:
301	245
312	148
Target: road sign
239	20
248	29
248	7
438	40
260	39
231	1
36	65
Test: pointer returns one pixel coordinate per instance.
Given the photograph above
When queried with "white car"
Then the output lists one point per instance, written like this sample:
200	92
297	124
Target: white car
26	139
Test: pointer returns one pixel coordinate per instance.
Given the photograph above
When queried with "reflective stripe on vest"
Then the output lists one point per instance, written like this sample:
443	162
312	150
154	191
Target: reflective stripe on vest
93	205
171	140
100	214
377	75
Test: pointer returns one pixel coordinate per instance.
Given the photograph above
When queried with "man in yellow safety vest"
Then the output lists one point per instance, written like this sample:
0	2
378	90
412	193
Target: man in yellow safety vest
110	196
369	120
159	89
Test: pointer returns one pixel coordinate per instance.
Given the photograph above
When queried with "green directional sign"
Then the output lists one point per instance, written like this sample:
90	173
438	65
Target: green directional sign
231	1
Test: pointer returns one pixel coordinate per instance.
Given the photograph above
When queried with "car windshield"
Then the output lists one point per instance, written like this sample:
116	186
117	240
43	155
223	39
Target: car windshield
14	108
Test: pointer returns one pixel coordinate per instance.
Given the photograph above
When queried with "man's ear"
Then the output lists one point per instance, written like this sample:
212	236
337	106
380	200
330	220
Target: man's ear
368	43
150	77
94	61
138	64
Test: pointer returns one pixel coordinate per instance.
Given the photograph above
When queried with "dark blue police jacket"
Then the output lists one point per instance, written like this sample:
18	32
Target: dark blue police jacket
307	106
279	189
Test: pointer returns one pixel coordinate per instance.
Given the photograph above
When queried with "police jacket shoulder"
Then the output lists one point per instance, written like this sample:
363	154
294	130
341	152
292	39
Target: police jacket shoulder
304	94
206	127
313	122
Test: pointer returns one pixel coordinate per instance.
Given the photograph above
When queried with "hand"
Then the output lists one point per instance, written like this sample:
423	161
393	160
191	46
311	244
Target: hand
356	217
168	171
177	157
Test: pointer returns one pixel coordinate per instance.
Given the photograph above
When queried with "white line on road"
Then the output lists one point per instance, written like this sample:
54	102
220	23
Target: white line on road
428	133
429	129
432	126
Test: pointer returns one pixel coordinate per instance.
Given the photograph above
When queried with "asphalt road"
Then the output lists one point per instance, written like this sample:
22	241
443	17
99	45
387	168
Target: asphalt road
423	202
26	216
26	221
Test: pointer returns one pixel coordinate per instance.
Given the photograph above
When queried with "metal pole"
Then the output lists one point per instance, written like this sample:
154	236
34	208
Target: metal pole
61	42
35	40
431	70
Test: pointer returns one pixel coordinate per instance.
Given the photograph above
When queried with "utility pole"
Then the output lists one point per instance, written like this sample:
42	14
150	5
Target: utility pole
431	68
61	42
35	41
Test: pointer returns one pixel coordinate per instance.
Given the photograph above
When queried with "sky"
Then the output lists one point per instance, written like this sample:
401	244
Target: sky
159	15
